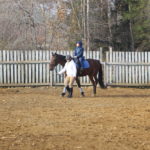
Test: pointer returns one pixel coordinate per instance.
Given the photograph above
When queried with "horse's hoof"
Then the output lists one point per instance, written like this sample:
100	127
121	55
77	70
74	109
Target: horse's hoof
63	94
82	94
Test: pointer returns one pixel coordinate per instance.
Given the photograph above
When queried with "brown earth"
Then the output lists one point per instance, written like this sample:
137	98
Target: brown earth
39	119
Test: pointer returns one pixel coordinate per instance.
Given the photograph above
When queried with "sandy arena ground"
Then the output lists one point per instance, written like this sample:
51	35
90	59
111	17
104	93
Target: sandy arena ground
39	119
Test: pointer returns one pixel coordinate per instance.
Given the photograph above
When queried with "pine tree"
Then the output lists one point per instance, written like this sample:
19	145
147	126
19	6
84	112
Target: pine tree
137	14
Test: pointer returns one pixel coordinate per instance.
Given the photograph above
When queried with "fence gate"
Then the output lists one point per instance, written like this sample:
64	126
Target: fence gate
127	68
31	68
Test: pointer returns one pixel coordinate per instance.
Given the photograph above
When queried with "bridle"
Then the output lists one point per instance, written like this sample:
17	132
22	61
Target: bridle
54	63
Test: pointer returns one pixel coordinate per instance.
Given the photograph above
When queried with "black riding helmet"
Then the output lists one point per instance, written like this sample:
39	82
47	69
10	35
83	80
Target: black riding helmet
68	57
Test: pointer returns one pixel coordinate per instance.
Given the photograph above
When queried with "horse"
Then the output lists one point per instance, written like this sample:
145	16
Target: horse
92	72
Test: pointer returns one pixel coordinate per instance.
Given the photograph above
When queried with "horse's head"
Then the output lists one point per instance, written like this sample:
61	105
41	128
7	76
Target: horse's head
53	61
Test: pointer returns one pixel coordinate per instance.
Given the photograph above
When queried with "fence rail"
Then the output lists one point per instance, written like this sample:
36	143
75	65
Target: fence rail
25	62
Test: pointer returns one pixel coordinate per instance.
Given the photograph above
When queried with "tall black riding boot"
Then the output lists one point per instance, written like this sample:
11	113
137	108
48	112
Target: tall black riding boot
81	68
68	89
70	93
64	91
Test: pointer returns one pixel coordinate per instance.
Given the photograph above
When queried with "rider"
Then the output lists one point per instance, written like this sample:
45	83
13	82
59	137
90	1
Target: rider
78	54
71	71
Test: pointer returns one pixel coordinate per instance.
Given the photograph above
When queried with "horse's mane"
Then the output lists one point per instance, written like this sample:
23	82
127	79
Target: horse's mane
62	57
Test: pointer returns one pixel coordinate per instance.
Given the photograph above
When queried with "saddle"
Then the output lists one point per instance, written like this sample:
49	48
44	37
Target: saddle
85	63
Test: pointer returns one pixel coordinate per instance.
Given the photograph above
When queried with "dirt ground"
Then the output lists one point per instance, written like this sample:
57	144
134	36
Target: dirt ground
39	119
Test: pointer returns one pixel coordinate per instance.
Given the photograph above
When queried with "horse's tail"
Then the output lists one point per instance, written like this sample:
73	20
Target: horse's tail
100	77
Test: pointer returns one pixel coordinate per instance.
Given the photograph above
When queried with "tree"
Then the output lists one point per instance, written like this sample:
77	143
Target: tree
137	14
33	24
57	24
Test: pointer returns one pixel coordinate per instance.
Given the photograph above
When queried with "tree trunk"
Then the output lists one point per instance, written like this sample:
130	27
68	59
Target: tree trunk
84	24
131	32
109	21
88	26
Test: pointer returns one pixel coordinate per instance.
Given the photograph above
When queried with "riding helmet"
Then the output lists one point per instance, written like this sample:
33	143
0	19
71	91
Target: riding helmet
68	57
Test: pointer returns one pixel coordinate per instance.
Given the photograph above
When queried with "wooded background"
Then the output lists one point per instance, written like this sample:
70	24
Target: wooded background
58	24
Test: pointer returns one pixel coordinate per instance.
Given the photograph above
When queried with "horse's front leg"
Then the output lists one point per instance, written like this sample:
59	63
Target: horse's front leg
79	86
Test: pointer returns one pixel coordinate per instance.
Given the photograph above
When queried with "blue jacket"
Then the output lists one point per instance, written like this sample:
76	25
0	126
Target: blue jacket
78	51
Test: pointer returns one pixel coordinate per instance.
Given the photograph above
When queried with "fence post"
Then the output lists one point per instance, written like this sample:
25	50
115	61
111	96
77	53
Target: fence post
51	78
110	49
104	74
101	54
106	68
1	74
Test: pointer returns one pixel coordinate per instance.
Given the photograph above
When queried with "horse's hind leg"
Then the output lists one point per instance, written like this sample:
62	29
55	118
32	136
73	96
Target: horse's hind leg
94	84
96	79
79	86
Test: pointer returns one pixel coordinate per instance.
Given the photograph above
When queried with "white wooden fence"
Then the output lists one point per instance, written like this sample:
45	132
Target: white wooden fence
127	68
31	68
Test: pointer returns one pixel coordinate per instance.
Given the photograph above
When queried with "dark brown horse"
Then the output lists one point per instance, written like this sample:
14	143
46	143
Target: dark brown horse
94	70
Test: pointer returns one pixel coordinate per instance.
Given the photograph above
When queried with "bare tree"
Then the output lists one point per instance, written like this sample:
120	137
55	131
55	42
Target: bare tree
57	24
33	24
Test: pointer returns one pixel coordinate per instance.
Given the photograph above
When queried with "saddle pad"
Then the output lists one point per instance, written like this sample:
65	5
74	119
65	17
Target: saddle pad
85	64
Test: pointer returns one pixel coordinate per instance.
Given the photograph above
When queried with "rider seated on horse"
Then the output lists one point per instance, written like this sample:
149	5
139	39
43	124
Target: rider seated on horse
71	72
78	55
